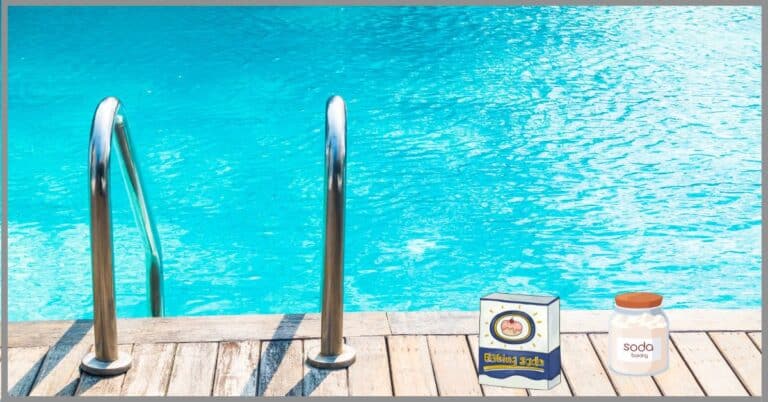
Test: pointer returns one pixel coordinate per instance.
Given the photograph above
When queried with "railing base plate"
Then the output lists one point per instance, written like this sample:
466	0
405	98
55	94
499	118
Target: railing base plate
345	359
94	366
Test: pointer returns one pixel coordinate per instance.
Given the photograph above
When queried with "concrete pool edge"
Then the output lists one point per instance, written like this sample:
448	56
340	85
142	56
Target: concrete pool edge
305	326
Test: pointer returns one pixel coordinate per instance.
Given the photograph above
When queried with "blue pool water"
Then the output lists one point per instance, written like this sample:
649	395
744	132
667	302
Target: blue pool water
574	151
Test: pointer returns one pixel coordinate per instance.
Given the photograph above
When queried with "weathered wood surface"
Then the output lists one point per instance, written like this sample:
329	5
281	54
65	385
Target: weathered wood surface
587	375
433	323
452	364
411	369
94	385
281	370
369	376
575	321
23	366
743	357
707	364
48	333
59	373
677	380
561	389
322	382
391	360
152	364
193	369
306	326
237	369
197	329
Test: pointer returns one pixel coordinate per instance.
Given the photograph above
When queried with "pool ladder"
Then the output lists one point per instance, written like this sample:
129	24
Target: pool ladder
109	122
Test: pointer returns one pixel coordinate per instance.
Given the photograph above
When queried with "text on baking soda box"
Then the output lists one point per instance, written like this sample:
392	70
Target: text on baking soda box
519	344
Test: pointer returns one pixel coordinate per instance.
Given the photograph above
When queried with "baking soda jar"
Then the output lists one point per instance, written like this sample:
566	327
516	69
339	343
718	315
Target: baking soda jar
638	341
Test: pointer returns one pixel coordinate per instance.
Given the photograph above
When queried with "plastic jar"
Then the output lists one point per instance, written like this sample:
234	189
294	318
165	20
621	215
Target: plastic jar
638	341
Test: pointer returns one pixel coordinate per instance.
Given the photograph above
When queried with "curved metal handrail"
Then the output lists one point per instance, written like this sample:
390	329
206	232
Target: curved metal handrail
109	121
333	353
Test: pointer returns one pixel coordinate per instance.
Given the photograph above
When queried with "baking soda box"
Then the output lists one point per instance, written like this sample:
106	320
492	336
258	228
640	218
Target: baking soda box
519	344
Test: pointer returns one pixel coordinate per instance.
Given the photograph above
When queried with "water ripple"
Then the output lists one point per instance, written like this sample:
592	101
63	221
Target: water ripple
580	151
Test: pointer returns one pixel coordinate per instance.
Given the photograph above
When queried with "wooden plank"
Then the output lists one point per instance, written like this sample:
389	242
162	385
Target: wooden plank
60	371
152	365
491	390
433	322
237	369
743	356
707	364
581	364
261	326
590	321
193	369
369	376
625	385
411	366
561	389
281	368
584	321
574	321
714	320
323	382
677	380
305	326
90	385
23	366
466	322
49	333
757	337
452	363
198	328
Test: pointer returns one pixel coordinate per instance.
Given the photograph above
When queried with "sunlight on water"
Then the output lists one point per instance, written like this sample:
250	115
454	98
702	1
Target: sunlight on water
576	151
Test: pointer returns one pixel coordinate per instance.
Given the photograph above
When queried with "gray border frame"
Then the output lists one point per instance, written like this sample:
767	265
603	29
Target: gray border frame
172	3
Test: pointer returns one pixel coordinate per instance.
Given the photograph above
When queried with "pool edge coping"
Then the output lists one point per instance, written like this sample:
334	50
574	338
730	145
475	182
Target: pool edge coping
222	328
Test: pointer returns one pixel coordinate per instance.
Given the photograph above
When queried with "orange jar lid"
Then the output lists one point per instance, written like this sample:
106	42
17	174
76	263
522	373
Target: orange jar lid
638	300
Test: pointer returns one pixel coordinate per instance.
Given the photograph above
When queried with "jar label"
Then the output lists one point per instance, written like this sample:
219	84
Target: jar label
638	349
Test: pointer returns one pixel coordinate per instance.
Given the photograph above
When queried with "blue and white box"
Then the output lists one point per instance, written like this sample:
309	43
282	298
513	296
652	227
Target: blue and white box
519	343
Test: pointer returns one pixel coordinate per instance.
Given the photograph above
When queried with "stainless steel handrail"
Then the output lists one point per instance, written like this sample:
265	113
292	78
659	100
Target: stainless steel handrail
109	121
332	352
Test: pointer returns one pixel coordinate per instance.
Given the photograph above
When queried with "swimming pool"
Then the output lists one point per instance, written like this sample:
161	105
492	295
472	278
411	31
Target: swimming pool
575	151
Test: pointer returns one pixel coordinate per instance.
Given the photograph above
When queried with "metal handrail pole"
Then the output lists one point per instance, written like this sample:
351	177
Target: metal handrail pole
108	122
333	353
143	216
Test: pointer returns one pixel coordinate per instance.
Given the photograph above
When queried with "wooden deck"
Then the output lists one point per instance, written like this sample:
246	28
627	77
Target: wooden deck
713	352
